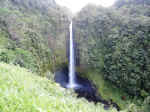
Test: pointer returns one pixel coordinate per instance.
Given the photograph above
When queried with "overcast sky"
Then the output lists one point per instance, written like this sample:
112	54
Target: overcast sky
76	5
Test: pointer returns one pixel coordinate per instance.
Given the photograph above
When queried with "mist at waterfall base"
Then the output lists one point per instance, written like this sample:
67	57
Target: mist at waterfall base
86	89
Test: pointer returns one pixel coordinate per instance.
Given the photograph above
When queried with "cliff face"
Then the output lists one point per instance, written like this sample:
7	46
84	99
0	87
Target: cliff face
85	25
33	34
115	41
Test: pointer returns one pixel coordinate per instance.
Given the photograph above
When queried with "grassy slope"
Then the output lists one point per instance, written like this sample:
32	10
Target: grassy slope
22	91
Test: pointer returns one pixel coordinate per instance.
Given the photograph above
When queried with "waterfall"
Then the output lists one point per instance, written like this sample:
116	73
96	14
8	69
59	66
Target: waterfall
72	77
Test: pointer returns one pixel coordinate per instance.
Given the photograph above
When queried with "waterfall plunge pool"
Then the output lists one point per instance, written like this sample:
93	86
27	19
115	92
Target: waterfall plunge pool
84	88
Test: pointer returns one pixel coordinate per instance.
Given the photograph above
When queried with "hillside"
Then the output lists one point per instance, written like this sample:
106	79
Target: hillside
113	45
23	91
33	34
116	43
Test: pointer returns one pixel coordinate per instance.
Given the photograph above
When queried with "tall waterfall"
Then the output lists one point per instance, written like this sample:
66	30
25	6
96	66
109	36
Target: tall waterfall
72	82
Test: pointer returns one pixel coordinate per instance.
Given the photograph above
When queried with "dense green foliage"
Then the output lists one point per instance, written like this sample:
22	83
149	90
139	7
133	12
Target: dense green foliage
113	42
108	91
116	42
121	3
22	91
33	34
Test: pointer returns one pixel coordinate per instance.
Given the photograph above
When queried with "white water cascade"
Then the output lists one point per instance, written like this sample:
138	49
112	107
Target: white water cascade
72	77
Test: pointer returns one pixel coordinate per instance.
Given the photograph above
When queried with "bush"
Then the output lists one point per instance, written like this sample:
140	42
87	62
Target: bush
19	57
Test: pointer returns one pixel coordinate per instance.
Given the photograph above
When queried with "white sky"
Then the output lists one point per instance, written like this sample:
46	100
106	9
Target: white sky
76	5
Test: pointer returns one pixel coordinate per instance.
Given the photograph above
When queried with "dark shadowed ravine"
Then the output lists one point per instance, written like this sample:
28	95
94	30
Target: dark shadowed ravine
85	89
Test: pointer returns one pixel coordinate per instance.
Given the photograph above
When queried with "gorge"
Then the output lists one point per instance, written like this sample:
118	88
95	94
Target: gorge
103	55
69	78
